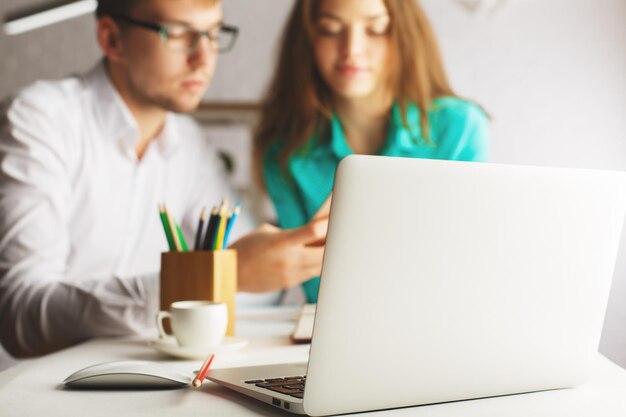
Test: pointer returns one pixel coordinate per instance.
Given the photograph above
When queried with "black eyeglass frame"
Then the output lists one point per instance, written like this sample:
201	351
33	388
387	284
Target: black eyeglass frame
163	31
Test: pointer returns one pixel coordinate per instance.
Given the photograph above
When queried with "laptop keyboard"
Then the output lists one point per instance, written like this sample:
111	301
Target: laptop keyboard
290	385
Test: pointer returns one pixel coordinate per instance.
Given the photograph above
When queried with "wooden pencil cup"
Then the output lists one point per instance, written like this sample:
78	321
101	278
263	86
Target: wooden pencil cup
200	275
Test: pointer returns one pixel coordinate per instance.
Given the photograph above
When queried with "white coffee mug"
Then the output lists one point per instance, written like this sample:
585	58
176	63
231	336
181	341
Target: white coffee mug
195	324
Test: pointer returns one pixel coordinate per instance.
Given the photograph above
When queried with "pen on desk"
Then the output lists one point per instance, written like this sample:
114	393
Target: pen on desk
198	242
231	221
166	227
197	381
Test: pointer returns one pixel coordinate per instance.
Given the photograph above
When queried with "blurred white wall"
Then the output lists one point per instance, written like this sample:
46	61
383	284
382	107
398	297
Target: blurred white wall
552	73
553	76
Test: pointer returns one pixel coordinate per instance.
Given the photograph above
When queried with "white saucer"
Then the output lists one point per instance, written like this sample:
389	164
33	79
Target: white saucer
169	346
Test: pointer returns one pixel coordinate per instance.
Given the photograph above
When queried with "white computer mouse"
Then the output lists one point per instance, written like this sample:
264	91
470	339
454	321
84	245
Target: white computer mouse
128	375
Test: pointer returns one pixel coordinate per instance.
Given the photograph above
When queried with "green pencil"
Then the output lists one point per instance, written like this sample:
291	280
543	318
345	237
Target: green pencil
173	229
166	228
183	244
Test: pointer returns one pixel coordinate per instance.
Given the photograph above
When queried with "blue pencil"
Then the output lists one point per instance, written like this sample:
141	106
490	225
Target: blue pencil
231	221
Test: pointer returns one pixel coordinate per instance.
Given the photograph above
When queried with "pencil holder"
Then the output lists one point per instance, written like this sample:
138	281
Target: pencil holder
200	275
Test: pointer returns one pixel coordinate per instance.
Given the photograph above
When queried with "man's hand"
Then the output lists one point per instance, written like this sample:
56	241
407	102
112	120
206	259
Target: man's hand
271	259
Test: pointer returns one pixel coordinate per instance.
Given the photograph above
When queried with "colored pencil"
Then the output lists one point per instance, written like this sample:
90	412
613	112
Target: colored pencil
201	221
197	381
210	230
166	228
223	217
181	238
173	228
231	221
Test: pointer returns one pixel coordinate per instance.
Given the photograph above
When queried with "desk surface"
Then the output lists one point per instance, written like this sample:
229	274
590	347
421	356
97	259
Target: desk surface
34	387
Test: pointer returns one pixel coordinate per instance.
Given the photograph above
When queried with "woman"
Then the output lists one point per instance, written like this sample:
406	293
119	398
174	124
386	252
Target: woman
356	76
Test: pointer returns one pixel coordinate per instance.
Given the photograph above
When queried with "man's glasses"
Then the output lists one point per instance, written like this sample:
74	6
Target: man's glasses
182	38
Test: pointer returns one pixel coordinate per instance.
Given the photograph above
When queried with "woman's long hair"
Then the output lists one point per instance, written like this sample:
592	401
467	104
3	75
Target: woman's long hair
298	101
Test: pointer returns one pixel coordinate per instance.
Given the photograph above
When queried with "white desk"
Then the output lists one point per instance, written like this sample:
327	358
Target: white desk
33	388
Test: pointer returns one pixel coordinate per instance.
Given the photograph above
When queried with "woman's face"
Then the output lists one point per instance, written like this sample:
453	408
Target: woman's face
352	46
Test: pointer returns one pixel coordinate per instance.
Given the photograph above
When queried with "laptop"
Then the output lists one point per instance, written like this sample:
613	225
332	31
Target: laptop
446	281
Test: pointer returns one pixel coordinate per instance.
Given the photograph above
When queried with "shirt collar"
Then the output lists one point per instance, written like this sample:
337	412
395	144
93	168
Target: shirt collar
169	139
403	137
115	119
338	143
399	138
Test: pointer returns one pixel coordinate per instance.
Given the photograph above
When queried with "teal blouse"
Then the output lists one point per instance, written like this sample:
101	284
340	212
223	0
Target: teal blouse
459	130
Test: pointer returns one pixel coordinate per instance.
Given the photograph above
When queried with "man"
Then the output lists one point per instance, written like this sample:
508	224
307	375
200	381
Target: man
83	164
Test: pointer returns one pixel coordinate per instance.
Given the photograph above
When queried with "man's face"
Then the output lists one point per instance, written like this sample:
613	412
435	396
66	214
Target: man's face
160	75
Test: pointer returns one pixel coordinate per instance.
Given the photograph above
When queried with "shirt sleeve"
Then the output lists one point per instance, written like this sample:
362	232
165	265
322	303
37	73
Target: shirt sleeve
463	132
41	310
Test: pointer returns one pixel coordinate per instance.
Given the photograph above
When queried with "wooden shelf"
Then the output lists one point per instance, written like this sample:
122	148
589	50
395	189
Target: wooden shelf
228	113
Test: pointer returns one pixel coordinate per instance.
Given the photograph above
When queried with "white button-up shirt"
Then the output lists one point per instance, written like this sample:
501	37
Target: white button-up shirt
80	233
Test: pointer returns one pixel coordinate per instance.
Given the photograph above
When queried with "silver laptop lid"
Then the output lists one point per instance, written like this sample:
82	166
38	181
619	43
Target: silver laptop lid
452	280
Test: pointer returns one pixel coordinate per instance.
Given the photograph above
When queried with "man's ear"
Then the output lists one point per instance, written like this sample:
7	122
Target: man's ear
110	39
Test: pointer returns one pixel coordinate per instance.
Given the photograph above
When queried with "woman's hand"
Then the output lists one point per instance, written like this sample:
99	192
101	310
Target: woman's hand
322	214
324	211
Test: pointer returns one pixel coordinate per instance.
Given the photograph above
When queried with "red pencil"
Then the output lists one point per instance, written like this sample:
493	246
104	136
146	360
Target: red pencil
197	381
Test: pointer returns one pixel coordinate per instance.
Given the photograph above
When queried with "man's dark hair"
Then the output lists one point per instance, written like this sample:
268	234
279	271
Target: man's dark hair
112	7
124	7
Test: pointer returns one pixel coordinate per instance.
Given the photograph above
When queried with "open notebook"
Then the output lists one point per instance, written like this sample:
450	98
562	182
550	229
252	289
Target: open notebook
304	327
